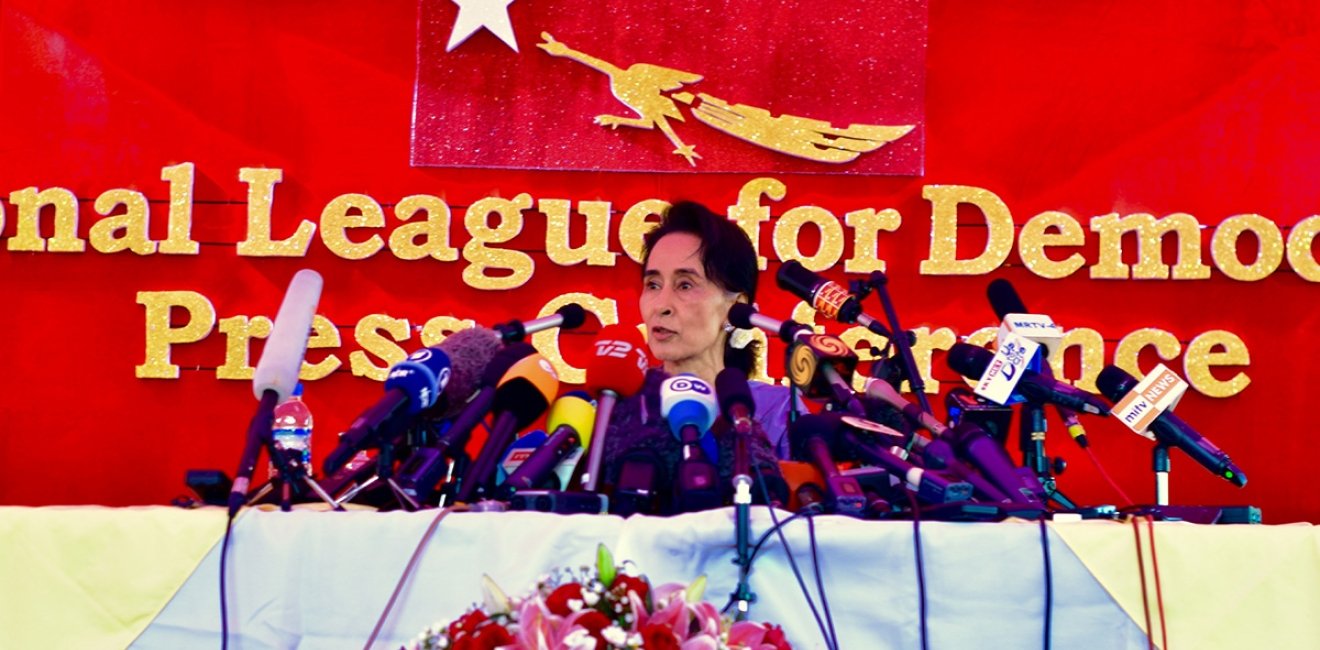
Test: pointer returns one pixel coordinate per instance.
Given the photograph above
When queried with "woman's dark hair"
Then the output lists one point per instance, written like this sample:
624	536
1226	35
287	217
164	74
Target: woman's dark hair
727	258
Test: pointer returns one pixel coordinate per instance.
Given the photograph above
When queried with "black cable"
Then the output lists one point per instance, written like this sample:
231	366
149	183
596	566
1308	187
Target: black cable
921	571
820	585
224	607
756	548
1049	579
796	573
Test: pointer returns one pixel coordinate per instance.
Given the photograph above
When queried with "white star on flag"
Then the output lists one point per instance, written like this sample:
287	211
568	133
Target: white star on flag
475	14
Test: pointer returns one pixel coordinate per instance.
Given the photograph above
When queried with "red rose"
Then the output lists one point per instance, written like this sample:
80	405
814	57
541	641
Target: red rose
466	624
659	637
593	622
557	602
774	635
625	583
491	635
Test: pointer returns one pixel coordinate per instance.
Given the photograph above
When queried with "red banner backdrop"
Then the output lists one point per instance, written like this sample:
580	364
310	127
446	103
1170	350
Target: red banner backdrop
1127	108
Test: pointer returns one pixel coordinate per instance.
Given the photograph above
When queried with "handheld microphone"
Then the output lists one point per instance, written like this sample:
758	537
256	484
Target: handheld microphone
521	396
1169	429
738	405
688	405
928	486
276	374
973	444
617	369
972	362
570	316
570	420
411	386
811	437
1004	300
826	297
881	390
815	364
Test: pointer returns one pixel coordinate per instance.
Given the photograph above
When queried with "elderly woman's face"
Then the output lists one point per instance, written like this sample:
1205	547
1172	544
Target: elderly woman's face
684	310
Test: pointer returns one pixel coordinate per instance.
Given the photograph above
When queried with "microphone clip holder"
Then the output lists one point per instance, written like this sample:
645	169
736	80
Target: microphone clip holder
291	480
384	473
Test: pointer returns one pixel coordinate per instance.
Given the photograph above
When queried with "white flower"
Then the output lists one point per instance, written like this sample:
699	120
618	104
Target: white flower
590	598
574	604
579	639
614	635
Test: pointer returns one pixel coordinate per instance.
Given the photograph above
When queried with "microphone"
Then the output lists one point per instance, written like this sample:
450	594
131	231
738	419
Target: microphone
974	445
807	357
521	396
412	385
570	420
276	374
688	405
928	486
971	361
1169	429
881	390
570	316
1005	300
617	369
470	351
811	437
738	405
825	296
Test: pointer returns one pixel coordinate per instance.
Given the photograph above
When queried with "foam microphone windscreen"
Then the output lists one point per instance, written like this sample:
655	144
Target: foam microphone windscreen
574	410
282	358
969	360
470	352
1004	299
619	359
526	389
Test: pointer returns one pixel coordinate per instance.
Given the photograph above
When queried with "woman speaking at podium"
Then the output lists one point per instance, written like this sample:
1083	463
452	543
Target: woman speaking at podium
696	265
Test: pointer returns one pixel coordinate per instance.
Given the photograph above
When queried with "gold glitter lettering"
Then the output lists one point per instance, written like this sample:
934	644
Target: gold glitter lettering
1300	243
435	229
27	224
866	225
351	211
547	341
1223	247
127	231
637	221
368	335
239	332
943	258
749	214
923	349
1128	350
436	330
161	338
178	240
324	335
1150	265
1036	236
596	250
1201	354
1091	346
861	340
481	257
789	227
261	195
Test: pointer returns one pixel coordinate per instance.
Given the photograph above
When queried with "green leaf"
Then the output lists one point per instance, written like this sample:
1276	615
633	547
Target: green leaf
696	590
493	598
605	566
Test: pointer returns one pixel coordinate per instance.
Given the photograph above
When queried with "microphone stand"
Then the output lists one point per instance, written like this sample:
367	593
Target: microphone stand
1031	441
742	505
384	472
879	282
1160	463
291	478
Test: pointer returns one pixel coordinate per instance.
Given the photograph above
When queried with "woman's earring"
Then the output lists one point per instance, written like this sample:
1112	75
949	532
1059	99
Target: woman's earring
728	327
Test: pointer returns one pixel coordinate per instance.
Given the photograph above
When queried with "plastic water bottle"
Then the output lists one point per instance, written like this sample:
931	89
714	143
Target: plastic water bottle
292	428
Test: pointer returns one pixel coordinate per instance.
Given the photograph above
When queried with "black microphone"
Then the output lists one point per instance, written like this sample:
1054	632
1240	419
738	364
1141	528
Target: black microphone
1169	429
854	443
971	362
811	438
973	444
521	396
817	353
1004	300
737	406
825	296
570	419
570	316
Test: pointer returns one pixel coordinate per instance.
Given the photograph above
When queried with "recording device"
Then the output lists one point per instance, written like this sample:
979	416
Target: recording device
1005	301
812	438
411	386
817	362
688	405
636	490
1169	429
521	396
616	370
826	297
971	362
569	317
963	405
276	374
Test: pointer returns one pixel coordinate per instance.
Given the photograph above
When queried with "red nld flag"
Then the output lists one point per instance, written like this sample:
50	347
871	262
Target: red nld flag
702	85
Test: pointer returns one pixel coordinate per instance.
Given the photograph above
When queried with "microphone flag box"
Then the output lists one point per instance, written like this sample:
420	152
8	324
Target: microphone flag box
518	452
1155	394
1005	369
1037	328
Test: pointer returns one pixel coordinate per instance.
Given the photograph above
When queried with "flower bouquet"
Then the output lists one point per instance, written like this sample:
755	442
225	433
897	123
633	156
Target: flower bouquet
599	608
